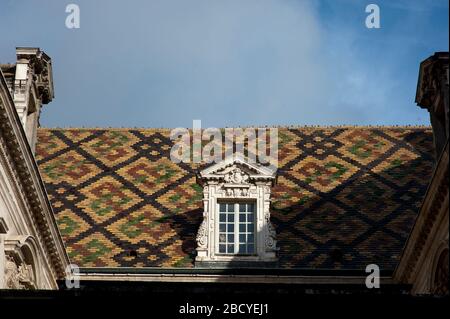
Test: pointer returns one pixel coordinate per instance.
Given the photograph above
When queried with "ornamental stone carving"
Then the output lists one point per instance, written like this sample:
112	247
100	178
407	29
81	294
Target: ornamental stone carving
26	276
271	243
236	192
202	235
18	276
236	176
12	274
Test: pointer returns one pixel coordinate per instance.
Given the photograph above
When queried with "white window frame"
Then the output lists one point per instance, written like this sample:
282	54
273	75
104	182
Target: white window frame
236	223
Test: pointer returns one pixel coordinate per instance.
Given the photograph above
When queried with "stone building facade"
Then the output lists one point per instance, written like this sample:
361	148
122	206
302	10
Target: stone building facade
32	253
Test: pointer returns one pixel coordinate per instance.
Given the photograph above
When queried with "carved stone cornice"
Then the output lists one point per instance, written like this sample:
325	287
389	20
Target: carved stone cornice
18	154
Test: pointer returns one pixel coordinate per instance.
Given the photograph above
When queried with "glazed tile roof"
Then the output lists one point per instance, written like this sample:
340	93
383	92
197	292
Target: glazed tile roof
346	197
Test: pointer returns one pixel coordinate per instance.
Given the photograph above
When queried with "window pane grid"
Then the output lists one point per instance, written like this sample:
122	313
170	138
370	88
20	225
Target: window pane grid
236	228
246	229
226	229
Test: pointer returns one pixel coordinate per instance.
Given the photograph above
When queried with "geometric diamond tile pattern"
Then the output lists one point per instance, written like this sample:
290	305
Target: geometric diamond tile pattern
346	196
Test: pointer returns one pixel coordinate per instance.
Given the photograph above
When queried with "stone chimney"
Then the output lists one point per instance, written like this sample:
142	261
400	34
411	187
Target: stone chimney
432	94
31	86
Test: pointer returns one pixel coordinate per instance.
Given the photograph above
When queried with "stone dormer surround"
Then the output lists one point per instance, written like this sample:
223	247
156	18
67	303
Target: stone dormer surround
234	179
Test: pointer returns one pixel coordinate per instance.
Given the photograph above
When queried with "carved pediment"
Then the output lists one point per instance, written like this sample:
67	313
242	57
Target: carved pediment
236	176
237	171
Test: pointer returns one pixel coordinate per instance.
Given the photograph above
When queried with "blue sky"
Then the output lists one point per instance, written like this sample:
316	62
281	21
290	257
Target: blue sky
229	63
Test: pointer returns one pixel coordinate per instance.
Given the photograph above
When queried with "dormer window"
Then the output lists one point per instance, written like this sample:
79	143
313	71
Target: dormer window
236	227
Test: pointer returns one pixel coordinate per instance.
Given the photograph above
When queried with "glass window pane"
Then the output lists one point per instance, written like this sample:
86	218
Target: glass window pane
222	238
227	232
